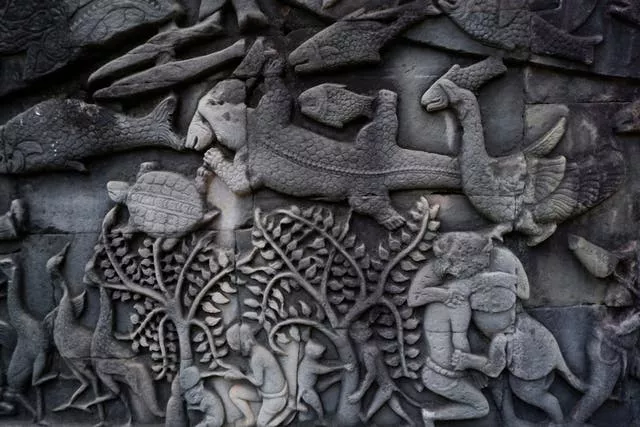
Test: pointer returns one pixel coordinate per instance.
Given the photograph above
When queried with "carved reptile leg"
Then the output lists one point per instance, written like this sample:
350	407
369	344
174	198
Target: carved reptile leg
233	173
378	207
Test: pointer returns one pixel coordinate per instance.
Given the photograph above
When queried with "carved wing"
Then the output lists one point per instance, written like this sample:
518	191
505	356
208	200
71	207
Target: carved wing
545	174
548	141
560	204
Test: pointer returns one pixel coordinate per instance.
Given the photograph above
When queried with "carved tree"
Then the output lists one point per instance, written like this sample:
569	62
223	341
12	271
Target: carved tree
308	270
178	293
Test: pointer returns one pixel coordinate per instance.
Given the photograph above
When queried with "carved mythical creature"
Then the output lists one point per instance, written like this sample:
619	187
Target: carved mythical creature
72	338
58	134
34	344
12	222
614	348
358	38
508	24
298	162
529	189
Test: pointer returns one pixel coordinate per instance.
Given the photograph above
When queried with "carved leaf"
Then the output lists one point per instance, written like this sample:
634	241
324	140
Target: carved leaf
218	298
250	302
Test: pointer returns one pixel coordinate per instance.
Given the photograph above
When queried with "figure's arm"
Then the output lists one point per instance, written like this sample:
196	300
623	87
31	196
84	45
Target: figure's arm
492	365
371	371
630	324
321	369
425	288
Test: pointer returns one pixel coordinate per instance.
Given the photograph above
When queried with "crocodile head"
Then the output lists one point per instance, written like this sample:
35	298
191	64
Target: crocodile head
439	96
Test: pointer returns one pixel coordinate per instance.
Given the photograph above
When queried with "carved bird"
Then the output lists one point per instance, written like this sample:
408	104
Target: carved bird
529	189
71	337
33	344
114	363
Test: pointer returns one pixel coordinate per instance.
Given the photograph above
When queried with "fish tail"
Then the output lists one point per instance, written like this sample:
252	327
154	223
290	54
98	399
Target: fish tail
368	104
550	40
161	119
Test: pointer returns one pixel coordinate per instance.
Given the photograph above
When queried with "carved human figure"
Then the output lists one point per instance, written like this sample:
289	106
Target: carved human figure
517	340
444	285
612	349
267	382
309	370
12	222
200	399
386	391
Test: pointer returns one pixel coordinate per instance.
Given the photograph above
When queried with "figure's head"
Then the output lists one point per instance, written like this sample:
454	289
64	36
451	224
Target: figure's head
191	384
240	338
626	10
314	349
360	332
618	295
463	254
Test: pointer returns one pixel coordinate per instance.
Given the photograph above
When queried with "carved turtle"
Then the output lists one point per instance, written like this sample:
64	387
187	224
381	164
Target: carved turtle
161	203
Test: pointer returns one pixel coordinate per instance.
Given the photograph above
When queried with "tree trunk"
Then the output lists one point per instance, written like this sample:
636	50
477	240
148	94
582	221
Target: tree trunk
176	415
347	413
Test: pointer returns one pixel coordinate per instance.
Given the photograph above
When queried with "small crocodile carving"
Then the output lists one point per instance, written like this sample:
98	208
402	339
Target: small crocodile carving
299	162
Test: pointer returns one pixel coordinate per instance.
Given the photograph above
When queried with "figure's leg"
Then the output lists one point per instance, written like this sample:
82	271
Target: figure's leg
534	392
467	402
503	399
381	397
233	173
312	398
83	386
394	404
377	206
602	380
241	395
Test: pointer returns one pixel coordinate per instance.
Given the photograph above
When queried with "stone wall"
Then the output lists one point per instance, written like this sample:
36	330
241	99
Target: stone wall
291	212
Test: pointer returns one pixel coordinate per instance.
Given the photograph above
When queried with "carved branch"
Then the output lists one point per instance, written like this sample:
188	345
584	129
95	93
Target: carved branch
400	332
214	280
304	322
146	320
132	287
156	265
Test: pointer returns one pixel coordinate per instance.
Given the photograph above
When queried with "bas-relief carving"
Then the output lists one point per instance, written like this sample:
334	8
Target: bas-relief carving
312	319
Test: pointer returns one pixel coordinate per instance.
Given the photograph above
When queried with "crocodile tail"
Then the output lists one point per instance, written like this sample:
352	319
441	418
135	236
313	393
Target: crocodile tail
550	40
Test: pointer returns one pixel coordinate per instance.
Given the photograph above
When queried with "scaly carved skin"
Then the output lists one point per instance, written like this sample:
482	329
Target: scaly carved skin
301	163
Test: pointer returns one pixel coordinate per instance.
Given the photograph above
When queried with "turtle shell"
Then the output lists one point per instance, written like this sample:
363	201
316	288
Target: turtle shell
163	204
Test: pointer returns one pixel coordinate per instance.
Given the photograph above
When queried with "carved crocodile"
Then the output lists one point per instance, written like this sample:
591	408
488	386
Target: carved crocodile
298	162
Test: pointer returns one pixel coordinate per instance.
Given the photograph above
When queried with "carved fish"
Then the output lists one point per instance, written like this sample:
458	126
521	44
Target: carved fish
357	39
510	25
57	134
334	105
626	10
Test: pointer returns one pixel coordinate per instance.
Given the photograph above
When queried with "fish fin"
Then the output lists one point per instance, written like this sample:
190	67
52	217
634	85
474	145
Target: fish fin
162	118
30	147
165	109
76	166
